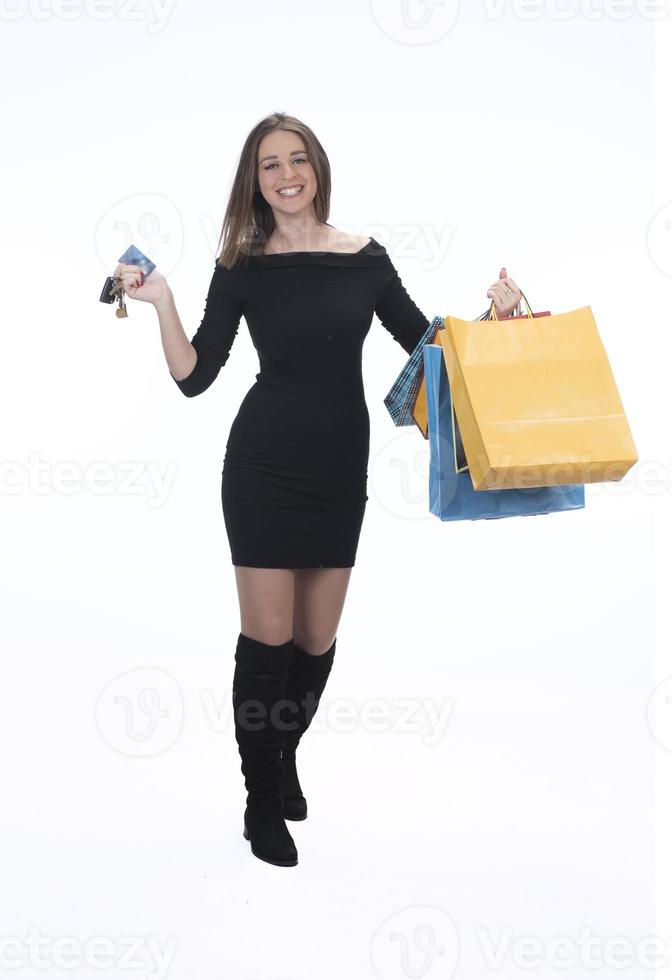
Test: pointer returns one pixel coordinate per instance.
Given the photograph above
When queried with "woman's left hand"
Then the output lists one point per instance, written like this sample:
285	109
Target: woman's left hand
506	295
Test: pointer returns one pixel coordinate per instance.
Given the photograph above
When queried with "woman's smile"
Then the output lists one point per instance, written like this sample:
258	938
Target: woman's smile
293	191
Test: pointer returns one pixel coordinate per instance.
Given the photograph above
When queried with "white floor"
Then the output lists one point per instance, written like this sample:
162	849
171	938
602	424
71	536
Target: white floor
479	775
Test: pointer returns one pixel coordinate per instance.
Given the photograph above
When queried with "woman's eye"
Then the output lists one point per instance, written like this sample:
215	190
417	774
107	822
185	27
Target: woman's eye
296	160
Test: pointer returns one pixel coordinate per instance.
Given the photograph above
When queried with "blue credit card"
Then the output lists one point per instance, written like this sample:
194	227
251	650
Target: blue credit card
133	256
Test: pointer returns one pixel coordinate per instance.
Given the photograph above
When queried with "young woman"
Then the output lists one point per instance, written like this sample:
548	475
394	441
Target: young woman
294	478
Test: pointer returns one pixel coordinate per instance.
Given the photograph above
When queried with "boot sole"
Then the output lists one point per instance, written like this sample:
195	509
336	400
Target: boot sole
279	864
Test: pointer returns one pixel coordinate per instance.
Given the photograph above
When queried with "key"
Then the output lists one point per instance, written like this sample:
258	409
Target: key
116	286
122	311
118	291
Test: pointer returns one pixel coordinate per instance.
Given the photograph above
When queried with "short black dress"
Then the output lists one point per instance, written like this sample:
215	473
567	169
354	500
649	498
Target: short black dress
294	478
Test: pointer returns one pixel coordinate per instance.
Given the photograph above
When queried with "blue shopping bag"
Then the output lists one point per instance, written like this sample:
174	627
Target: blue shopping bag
451	493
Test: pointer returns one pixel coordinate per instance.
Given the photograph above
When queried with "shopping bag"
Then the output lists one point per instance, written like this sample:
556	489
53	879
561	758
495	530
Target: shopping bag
536	401
419	412
401	397
420	408
451	494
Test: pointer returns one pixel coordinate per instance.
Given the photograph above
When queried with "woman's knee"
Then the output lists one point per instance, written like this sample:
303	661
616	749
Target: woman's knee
266	631
314	641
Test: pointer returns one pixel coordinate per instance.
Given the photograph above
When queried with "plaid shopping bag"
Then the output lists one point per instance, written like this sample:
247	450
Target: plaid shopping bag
401	397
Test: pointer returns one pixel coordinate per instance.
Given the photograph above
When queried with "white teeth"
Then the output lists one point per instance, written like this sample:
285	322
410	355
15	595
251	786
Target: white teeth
289	192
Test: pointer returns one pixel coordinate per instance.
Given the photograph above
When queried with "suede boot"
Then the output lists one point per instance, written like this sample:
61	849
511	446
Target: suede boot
305	684
259	684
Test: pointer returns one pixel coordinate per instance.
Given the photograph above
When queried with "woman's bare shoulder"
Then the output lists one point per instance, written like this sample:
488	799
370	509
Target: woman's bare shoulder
343	241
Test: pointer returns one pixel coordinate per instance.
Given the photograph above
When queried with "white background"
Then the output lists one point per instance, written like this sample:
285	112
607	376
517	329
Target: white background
493	135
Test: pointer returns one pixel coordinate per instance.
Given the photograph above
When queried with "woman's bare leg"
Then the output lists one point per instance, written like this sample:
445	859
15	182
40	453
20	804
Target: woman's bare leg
266	599
319	597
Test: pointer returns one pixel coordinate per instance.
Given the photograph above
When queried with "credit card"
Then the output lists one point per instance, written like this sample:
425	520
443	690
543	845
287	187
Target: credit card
133	256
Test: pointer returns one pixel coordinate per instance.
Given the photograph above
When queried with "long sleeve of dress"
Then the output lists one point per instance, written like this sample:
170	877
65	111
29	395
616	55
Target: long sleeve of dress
215	335
398	313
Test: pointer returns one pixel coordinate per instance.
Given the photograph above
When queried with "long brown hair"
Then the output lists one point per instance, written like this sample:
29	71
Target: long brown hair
248	220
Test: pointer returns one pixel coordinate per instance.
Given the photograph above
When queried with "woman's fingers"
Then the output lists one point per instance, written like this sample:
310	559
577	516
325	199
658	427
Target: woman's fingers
510	284
505	294
505	299
131	276
507	283
498	293
121	268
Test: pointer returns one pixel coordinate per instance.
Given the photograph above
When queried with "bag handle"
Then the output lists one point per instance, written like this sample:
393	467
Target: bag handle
492	313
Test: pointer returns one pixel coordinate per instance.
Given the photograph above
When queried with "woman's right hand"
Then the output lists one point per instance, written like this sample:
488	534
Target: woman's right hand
148	289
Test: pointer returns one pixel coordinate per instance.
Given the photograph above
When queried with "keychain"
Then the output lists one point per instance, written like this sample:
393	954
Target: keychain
113	289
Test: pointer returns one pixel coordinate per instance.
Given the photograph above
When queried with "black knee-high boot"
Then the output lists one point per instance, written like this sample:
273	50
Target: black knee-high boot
259	684
305	684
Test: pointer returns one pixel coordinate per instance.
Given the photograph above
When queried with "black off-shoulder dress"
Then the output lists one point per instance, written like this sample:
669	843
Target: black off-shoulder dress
294	478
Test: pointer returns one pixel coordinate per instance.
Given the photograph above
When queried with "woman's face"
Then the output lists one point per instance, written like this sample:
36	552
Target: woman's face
283	165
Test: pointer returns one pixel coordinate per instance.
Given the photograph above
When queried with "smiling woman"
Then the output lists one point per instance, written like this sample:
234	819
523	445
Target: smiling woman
279	154
296	159
294	475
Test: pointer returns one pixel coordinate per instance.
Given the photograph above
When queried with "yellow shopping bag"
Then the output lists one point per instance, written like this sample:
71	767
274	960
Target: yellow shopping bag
536	401
420	406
